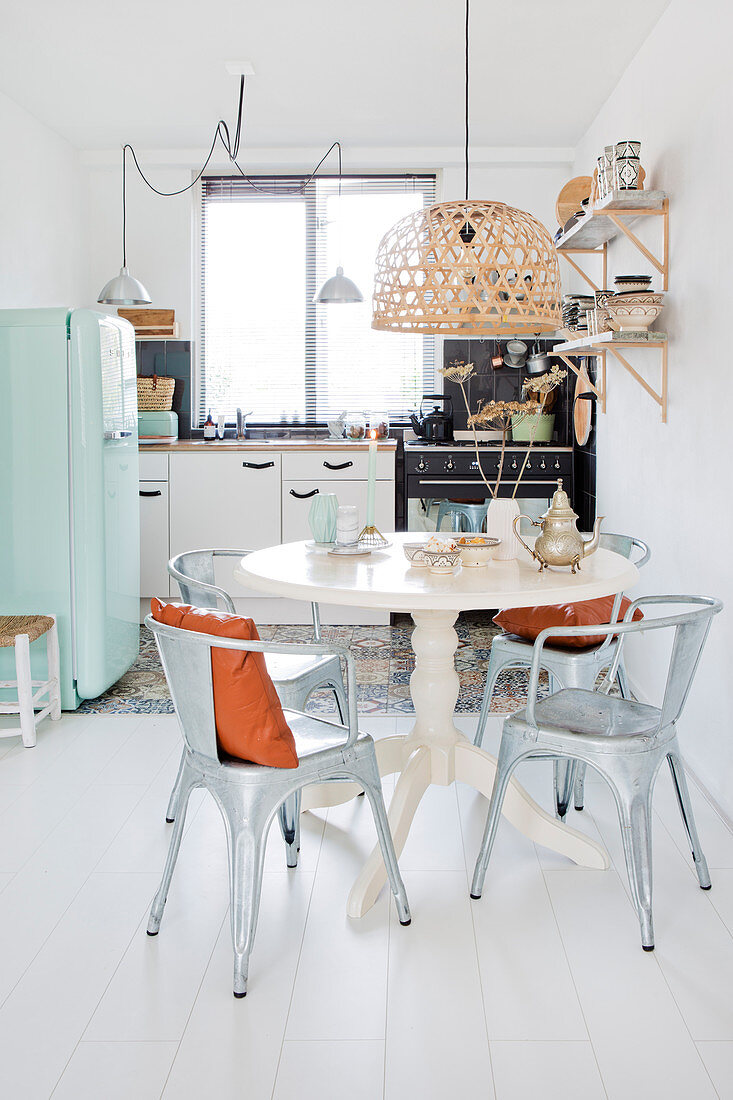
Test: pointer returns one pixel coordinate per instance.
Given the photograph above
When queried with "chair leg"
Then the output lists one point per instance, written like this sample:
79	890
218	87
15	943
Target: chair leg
156	911
564	772
289	818
170	813
368	773
688	819
634	803
505	765
25	690
580	785
339	692
246	827
54	671
496	664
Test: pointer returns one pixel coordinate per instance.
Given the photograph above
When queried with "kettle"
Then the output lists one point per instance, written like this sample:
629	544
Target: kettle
436	426
560	542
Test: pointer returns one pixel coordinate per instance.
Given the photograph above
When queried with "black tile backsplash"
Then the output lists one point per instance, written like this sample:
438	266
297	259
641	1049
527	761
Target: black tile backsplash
504	384
171	358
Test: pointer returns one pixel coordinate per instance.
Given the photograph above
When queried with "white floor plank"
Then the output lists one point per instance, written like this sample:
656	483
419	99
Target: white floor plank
42	1020
168	966
231	1048
625	999
40	893
721	895
524	970
117	1071
331	1071
436	1032
341	985
550	1070
718	1059
693	945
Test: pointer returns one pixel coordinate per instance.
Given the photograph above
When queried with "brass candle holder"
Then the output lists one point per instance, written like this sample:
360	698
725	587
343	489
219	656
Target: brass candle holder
372	539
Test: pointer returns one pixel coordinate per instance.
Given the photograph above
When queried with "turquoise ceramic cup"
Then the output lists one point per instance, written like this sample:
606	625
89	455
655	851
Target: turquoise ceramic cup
322	517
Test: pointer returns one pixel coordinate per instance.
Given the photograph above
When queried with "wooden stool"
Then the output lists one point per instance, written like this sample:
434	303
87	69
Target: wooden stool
19	631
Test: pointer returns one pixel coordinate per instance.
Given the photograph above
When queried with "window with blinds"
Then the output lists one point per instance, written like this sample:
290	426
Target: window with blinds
267	245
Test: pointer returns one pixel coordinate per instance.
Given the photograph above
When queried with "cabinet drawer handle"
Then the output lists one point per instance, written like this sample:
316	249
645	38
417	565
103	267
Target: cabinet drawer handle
258	465
303	496
338	466
151	492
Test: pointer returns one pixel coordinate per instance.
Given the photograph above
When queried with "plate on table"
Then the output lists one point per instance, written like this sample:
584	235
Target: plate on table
319	547
350	551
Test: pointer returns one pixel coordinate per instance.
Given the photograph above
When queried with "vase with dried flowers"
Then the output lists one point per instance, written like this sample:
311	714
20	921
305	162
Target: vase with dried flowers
500	416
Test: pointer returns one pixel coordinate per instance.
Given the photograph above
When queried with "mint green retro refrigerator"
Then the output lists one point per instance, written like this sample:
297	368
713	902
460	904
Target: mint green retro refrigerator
69	510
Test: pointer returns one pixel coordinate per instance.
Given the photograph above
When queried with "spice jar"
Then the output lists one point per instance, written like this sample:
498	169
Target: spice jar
379	423
355	426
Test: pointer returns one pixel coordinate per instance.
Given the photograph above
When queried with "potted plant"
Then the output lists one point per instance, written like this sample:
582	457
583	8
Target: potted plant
501	416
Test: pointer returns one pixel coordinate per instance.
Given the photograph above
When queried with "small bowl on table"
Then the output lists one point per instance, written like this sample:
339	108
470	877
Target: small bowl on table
414	552
477	550
441	561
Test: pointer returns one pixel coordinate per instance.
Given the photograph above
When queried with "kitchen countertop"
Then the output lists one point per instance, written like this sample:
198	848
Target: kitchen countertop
192	445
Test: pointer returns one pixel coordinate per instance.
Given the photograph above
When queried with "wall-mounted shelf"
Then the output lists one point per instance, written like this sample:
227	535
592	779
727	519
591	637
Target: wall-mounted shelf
616	342
612	217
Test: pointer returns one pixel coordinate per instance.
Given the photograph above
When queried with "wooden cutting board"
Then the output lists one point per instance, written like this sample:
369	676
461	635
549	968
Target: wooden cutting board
582	411
568	202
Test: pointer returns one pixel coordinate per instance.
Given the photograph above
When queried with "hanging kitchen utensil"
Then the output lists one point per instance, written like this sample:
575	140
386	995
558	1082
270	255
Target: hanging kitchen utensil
582	406
497	359
539	361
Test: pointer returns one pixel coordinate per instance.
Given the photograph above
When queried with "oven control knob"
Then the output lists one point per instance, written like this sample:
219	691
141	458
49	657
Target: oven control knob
557	463
422	464
543	465
450	464
514	464
529	465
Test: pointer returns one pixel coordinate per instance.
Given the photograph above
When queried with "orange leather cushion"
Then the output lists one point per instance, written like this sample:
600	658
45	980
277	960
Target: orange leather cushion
250	723
528	622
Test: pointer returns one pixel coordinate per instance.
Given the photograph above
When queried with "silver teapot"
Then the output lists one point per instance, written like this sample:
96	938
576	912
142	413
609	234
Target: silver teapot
560	542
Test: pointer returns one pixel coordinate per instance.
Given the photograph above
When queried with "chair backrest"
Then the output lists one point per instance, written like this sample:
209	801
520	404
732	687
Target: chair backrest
631	548
194	572
186	659
690	633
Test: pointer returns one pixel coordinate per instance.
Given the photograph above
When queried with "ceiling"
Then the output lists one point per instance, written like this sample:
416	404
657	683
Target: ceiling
384	73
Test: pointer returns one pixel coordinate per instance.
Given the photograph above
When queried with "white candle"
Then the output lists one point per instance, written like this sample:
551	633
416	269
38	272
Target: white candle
372	478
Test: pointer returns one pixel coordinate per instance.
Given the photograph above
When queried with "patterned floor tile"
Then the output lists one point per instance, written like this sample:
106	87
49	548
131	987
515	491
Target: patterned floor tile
384	663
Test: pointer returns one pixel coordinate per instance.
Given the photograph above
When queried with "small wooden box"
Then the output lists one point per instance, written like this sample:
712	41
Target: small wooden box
151	322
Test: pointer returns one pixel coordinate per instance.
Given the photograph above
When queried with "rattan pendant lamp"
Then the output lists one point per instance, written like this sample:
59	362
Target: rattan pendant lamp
469	267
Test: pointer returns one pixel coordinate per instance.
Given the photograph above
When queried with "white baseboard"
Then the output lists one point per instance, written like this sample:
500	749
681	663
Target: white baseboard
282	612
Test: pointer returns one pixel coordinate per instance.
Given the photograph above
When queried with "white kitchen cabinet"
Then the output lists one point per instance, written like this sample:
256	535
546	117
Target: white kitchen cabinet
154	551
297	497
332	465
229	501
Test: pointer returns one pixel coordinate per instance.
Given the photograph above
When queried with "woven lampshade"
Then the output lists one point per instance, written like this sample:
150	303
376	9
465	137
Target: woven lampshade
467	267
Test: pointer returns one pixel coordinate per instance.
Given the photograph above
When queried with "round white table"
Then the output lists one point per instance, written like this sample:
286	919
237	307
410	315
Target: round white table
435	751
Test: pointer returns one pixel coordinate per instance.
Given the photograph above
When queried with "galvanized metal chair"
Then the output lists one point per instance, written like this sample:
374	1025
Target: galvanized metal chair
295	677
566	668
463	517
624	740
249	795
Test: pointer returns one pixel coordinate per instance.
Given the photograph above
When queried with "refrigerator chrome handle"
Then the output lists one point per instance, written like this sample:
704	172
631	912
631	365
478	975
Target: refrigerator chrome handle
117	435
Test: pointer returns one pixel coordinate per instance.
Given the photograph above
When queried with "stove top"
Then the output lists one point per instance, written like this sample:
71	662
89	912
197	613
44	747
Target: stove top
422	445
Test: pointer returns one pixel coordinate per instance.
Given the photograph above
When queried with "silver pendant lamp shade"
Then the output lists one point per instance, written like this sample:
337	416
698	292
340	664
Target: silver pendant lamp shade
339	288
124	289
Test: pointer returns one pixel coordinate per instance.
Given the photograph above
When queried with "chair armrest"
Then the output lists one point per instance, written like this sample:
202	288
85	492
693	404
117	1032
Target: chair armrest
315	649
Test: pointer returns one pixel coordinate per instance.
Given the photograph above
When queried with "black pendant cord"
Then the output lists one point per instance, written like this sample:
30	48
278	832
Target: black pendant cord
467	99
232	149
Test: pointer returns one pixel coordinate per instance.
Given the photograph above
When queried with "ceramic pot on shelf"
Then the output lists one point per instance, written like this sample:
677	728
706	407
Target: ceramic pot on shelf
500	517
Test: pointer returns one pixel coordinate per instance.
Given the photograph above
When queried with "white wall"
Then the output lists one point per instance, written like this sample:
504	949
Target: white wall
41	198
161	231
670	484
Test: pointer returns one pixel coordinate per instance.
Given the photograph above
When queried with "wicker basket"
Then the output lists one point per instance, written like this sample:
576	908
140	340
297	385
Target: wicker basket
155	393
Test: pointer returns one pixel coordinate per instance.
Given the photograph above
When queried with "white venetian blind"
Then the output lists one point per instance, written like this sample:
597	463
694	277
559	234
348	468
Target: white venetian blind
268	243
